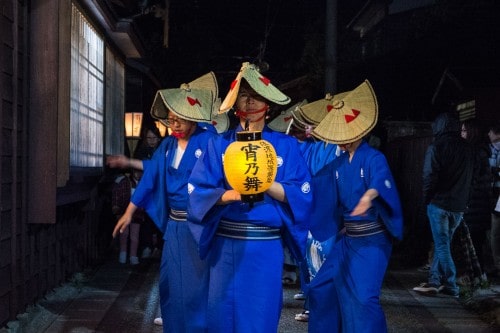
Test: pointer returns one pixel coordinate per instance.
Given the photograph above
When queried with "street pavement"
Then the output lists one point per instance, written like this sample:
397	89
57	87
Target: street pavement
122	298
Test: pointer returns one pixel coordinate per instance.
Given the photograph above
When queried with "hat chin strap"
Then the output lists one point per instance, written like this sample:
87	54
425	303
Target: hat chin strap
178	135
243	115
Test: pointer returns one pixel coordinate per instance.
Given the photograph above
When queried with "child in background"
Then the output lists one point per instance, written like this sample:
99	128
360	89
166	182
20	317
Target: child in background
122	191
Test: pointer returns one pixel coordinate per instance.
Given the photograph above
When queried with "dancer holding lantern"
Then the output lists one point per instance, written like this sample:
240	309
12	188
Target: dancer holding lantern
239	229
163	193
359	194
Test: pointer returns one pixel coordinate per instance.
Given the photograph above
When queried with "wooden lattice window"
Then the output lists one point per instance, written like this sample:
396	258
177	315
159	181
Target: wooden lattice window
87	93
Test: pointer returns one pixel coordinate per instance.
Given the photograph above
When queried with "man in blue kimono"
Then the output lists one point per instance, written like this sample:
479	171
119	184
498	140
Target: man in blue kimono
357	194
163	193
317	154
243	241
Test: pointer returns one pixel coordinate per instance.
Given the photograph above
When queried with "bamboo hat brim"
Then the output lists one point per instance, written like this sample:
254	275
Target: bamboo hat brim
314	112
220	122
282	121
258	82
299	121
350	118
193	101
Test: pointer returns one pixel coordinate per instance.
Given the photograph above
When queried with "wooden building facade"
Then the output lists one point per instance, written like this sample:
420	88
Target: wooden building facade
55	215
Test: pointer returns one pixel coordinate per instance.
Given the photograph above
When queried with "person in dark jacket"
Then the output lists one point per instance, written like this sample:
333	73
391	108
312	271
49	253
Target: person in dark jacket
447	178
494	162
477	217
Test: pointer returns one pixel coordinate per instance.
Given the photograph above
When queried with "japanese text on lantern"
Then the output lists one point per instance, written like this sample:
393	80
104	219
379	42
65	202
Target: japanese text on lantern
251	156
270	155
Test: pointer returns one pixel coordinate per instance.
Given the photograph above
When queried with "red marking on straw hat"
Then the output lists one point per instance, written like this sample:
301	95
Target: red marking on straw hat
214	122
329	108
265	80
349	118
193	101
287	118
233	84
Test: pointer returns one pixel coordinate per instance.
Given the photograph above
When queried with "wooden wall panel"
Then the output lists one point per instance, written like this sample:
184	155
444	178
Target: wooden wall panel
43	110
35	258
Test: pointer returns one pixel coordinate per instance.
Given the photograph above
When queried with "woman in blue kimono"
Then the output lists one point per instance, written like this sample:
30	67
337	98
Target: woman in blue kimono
317	154
356	192
243	241
163	193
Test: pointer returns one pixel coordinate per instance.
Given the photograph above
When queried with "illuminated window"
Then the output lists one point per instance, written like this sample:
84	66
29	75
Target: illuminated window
87	93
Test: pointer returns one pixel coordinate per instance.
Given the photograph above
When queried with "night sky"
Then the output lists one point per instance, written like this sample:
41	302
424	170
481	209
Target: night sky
404	56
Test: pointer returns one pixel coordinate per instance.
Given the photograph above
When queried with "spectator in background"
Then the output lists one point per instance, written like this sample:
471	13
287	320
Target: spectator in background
447	178
476	221
494	136
150	139
123	189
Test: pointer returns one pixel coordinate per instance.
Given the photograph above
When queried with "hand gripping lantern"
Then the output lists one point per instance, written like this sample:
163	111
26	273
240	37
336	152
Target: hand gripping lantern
250	165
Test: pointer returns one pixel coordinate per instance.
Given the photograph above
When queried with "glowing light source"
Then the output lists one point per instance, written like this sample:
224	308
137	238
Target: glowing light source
162	128
133	124
250	165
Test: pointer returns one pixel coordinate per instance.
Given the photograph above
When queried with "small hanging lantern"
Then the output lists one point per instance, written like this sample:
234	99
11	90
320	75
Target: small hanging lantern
133	123
250	165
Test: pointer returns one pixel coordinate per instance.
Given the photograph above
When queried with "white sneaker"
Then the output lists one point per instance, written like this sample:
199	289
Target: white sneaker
158	321
304	316
134	261
123	257
299	296
428	288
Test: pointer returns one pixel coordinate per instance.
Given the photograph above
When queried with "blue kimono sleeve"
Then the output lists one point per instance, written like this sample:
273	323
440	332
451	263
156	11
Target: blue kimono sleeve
321	154
295	213
145	164
151	190
206	185
387	203
326	212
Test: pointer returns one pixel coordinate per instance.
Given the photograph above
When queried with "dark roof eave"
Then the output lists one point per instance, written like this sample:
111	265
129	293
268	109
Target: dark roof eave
122	32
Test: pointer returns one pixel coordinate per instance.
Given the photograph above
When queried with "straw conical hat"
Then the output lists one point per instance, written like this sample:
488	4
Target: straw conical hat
314	112
282	121
298	119
258	82
349	118
206	82
219	120
192	101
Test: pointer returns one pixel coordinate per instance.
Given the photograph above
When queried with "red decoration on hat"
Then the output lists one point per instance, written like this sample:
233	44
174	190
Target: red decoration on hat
285	119
265	80
193	101
214	123
233	84
329	108
349	118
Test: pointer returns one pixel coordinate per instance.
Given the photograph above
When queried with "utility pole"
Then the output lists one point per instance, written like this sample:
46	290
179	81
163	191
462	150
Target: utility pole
331	36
